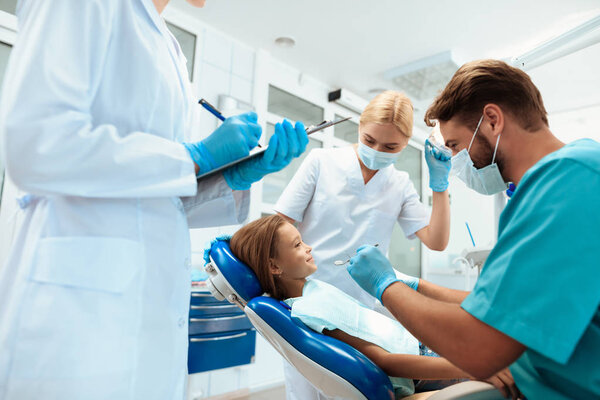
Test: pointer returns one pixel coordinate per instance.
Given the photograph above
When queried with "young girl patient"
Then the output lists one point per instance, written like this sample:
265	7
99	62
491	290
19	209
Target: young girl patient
274	249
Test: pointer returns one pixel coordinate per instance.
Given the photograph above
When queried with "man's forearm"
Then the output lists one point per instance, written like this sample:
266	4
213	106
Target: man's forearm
470	344
441	293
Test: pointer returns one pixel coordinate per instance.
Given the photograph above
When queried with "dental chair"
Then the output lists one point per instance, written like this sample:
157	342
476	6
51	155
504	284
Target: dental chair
335	368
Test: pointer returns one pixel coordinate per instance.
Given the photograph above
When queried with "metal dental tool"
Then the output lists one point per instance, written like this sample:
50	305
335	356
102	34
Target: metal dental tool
341	262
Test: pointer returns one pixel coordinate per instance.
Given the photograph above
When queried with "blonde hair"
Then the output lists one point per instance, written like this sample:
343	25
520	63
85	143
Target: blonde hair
390	107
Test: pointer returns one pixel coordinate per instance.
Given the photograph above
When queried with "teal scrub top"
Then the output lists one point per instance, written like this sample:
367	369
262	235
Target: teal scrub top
541	282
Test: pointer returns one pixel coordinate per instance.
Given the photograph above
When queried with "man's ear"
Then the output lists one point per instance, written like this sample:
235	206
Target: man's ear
494	119
273	268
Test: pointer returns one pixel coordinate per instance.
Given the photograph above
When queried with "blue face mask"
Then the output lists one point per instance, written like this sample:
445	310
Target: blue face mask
374	159
486	180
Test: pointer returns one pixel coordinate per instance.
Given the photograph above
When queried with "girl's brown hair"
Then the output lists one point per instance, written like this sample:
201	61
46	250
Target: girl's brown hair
255	244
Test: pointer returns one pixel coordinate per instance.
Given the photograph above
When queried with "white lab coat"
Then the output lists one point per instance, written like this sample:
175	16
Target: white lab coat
337	213
94	298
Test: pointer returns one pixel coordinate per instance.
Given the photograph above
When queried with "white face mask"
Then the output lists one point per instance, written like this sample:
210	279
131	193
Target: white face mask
374	159
486	180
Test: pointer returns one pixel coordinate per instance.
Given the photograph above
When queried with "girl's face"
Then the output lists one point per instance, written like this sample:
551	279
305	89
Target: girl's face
293	260
382	137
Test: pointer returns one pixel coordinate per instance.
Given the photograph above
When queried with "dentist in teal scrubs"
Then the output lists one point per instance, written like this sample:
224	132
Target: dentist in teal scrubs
535	307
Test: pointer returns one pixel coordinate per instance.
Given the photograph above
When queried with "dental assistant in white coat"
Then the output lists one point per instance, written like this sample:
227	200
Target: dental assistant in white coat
94	298
345	197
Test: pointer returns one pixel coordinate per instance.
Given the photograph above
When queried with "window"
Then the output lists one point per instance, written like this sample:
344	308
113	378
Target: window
286	105
347	131
405	254
293	107
187	41
274	184
10	6
4	54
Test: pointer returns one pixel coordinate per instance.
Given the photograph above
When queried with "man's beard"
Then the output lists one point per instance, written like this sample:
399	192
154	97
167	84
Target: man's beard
485	153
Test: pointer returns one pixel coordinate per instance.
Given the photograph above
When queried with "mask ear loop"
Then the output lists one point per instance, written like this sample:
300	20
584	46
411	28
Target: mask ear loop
475	133
496	148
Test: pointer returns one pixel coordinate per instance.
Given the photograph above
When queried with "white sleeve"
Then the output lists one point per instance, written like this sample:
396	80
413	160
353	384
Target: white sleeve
51	144
414	215
299	192
216	204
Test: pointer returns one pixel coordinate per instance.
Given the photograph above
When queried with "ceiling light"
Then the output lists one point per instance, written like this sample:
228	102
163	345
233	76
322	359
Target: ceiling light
580	37
423	79
285	41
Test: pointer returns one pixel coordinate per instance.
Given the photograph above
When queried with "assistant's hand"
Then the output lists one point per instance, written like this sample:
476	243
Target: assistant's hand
439	167
286	143
505	383
371	270
226	238
229	142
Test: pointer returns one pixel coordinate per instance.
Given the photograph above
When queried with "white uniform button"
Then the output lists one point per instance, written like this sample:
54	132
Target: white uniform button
187	263
181	322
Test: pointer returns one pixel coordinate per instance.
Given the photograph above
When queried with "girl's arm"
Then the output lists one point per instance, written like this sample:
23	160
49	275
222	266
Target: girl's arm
441	293
422	367
402	365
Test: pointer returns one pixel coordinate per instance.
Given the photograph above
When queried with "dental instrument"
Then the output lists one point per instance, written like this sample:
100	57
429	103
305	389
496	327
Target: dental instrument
341	262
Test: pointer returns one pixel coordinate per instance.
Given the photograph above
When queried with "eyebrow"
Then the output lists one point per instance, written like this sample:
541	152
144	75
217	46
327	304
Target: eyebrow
385	144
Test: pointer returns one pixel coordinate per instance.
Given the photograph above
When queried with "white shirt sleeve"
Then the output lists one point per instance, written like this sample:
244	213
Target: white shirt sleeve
53	146
414	215
216	204
299	192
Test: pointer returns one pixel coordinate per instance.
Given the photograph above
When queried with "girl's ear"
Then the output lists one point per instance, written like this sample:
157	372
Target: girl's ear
274	269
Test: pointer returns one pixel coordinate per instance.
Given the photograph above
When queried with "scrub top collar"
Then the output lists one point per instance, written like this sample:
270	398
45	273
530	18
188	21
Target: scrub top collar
355	178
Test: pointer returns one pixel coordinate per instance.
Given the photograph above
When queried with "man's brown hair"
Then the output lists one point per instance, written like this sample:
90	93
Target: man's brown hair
255	244
482	82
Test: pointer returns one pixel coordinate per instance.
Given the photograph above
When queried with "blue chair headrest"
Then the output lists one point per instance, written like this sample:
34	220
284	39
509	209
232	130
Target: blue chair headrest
241	278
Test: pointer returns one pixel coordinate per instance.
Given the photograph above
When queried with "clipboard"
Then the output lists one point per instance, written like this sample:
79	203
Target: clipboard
255	152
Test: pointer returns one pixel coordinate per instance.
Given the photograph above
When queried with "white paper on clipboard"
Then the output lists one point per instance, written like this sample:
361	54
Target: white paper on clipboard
255	152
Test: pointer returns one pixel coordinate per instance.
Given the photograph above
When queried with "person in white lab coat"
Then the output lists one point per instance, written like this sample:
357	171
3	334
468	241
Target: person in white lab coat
343	198
94	297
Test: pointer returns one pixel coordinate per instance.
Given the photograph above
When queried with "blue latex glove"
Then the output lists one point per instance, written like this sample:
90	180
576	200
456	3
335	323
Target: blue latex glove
229	142
226	238
410	281
439	167
511	189
286	143
371	270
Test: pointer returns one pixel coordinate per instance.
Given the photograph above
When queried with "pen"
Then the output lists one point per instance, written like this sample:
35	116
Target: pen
211	109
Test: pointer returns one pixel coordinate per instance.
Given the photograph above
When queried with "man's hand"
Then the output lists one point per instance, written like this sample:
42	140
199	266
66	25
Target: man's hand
371	270
504	382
